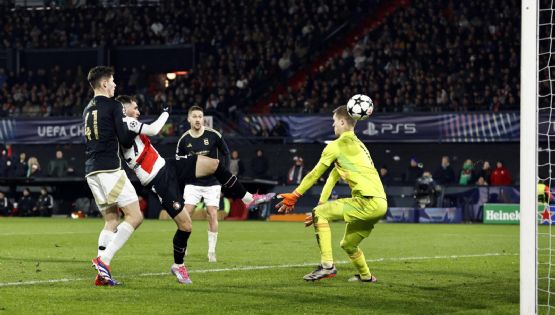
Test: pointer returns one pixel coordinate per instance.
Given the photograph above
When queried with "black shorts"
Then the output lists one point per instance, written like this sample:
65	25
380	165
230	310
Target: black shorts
170	182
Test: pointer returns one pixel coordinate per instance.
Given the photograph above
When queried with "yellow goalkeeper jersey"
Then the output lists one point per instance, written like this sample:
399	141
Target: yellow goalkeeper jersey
353	163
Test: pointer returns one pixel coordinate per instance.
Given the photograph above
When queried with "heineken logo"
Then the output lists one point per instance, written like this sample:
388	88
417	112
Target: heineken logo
499	213
492	215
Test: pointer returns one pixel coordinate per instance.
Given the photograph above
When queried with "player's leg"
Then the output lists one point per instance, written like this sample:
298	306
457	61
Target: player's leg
180	240
206	166
212	232
111	220
361	216
211	195
132	221
322	215
166	186
113	190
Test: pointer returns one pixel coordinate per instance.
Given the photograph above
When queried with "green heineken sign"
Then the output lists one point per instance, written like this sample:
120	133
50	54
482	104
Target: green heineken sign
501	213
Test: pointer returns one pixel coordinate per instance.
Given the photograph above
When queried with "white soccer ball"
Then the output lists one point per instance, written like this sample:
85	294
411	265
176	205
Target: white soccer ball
360	106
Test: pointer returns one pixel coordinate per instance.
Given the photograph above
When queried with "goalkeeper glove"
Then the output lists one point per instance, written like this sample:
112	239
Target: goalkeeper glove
288	203
166	108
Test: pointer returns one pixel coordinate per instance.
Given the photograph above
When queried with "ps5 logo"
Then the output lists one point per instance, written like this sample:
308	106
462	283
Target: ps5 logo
400	128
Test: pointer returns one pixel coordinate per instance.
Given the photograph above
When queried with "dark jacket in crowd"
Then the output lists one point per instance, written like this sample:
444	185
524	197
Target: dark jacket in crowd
445	175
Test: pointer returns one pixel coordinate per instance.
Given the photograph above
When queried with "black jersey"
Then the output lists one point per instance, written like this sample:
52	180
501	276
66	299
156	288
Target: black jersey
210	144
104	131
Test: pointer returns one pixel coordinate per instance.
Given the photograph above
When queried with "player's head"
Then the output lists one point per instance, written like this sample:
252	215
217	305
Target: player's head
195	117
342	121
101	79
130	107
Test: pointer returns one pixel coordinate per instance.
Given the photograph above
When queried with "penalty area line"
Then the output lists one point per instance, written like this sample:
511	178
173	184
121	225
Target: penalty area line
250	268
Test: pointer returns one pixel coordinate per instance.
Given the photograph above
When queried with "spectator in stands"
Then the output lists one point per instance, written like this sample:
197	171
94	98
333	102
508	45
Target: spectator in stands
33	169
59	166
501	176
260	165
296	171
6	167
445	175
467	173
45	203
25	204
5	205
21	166
485	172
281	129
236	166
414	171
384	175
481	181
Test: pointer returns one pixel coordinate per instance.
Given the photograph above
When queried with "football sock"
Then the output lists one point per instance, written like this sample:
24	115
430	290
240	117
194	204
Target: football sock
180	245
212	240
230	184
104	239
360	263
121	236
323	237
247	198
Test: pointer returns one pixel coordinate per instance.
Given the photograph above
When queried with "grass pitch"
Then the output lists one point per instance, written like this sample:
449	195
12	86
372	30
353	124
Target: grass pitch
422	269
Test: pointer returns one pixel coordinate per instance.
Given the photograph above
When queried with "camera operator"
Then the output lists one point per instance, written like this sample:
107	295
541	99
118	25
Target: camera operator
426	190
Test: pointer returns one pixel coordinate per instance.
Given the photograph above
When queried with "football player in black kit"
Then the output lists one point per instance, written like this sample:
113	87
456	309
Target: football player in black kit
104	132
204	141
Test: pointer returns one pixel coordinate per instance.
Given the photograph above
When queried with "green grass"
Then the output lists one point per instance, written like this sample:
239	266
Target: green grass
413	263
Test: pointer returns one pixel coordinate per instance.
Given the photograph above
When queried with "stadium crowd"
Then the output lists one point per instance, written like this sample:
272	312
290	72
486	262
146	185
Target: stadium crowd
245	50
242	45
464	58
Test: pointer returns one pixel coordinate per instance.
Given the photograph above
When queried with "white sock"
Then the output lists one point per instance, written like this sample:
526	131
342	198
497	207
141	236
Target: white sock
122	235
177	265
212	240
327	265
247	198
104	239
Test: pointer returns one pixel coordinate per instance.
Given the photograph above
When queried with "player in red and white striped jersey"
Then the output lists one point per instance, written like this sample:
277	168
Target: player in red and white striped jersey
167	178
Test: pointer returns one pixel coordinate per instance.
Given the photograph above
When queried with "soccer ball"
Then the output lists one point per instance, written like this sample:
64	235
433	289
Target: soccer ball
360	106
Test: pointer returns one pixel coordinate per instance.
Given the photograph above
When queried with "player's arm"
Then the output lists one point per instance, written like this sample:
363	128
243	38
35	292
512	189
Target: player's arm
330	183
329	155
181	149
154	128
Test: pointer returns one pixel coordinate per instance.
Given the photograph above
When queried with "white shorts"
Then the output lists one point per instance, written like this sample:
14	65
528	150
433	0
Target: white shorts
113	188
211	194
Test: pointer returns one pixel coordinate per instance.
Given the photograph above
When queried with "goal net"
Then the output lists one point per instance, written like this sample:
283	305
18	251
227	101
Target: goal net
537	245
545	246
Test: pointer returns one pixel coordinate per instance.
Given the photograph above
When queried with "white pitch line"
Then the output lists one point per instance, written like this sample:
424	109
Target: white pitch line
249	268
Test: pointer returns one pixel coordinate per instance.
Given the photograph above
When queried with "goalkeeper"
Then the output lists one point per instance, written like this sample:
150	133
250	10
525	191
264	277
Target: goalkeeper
352	162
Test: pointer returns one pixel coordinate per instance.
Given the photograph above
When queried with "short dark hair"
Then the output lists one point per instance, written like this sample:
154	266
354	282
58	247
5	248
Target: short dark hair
195	107
343	113
126	99
98	73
